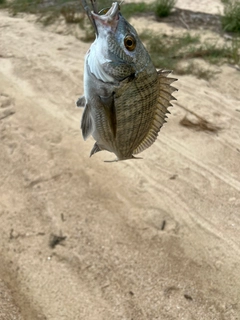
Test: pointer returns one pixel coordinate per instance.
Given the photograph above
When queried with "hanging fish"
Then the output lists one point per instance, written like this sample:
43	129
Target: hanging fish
125	98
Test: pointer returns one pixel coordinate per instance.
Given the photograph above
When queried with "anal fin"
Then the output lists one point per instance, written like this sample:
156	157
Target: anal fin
95	149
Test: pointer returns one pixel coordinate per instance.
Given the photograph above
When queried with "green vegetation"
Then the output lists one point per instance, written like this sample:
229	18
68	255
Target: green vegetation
24	6
163	8
130	9
69	9
166	50
179	53
231	18
235	50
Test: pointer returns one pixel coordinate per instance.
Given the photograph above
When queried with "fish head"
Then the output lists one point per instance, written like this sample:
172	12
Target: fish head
117	52
106	20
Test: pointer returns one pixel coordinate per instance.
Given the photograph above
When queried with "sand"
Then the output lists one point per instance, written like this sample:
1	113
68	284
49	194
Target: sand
157	238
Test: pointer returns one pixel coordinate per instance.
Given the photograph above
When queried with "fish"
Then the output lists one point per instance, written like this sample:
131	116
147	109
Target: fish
126	98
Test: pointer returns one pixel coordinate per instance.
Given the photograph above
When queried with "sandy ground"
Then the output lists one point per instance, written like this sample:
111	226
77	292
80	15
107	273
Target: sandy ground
157	238
213	6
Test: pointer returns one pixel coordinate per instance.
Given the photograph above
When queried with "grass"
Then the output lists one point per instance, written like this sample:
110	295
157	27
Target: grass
231	18
29	6
179	53
235	51
165	50
130	9
163	8
54	8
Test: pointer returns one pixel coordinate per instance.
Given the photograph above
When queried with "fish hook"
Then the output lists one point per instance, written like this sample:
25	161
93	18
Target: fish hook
89	14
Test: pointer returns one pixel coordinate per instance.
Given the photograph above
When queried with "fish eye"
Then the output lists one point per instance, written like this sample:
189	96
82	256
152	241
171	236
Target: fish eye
130	42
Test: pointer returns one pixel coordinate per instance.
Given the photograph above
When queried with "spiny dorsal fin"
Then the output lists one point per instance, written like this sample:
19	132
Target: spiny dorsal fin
163	102
86	124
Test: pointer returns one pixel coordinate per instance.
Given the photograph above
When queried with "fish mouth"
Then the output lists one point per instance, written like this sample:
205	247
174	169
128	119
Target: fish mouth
110	18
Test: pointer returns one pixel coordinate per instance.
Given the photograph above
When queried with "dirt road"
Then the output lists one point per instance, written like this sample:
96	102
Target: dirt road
157	238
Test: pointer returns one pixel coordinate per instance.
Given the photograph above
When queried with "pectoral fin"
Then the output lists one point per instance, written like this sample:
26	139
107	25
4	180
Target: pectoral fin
81	101
110	110
86	123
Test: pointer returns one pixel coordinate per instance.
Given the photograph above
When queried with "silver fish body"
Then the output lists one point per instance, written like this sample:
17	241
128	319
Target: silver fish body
125	97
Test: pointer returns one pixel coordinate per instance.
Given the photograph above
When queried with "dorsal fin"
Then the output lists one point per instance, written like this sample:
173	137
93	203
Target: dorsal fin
86	123
163	102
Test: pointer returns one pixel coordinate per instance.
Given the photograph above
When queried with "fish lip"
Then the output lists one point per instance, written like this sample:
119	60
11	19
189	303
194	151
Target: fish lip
110	18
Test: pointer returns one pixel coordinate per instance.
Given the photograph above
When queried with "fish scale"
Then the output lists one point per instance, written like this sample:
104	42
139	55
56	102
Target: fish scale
126	98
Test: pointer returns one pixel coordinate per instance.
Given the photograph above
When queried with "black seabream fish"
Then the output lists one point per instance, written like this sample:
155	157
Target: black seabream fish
125	98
